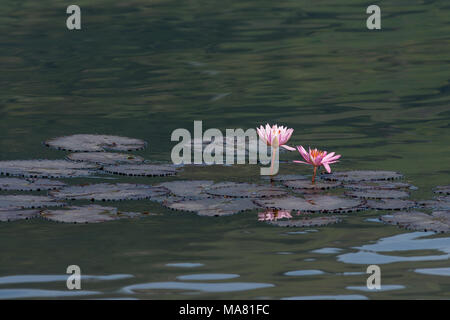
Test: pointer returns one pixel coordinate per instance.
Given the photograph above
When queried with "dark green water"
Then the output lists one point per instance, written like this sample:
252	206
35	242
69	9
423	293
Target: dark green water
142	69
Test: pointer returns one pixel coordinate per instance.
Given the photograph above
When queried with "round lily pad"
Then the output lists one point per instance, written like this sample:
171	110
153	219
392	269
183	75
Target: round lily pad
246	190
285	177
213	207
105	158
378	194
13	215
438	221
382	185
309	222
312	203
46	168
440	203
94	142
148	170
108	192
87	214
192	189
29	184
362	175
390	204
24	201
442	190
306	184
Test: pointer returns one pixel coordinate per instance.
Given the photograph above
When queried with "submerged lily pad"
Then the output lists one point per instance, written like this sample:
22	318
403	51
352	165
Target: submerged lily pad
390	204
148	170
46	168
378	194
94	142
192	189
378	185
362	175
87	214
24	201
13	215
213	207
312	203
306	184
105	158
309	222
438	221
109	192
29	184
442	190
246	190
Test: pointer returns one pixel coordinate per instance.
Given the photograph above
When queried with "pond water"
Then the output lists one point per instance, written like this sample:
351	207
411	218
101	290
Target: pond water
143	69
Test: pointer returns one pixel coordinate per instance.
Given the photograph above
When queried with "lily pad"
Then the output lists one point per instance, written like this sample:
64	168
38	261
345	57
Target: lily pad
192	189
94	142
214	207
109	192
29	184
24	201
441	203
438	221
105	158
312	203
306	184
378	194
13	215
378	185
285	177
442	190
362	175
46	168
246	190
309	222
87	214
390	204
148	170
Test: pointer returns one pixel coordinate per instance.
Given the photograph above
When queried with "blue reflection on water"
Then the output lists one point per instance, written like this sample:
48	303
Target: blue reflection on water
336	297
384	287
38	293
37	278
208	276
204	287
434	271
304	273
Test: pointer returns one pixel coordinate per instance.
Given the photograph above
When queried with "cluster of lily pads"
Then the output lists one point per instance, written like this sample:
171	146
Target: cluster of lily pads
284	200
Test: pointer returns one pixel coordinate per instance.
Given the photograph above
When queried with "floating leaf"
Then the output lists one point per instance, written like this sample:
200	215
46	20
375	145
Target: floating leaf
312	203
29	184
46	168
390	204
148	170
378	194
24	201
109	192
441	203
192	189
285	177
13	215
306	184
246	190
87	214
309	222
438	221
214	207
105	158
381	185
442	190
94	142
362	175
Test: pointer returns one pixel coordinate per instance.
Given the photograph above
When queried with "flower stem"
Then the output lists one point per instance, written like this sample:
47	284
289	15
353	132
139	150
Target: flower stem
314	175
273	161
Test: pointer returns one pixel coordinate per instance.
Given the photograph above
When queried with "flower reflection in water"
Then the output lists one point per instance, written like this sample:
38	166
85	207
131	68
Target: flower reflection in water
273	215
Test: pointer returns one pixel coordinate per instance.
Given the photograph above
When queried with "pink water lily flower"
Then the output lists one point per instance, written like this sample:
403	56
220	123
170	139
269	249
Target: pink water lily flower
317	158
270	215
275	136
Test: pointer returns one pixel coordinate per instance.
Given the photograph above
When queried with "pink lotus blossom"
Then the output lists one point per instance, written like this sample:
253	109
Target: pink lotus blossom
275	136
317	158
270	215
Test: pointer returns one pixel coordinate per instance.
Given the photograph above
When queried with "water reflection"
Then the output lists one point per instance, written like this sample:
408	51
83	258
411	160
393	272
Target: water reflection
336	297
38	293
434	271
54	278
273	215
383	287
304	273
208	276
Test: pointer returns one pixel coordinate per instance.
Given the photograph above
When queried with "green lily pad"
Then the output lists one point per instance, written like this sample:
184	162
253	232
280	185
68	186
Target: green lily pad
391	204
285	177
378	194
105	158
378	185
29	184
191	189
442	190
147	170
213	206
94	142
13	215
109	192
438	221
246	190
307	222
362	175
87	214
306	184
46	168
24	201
440	203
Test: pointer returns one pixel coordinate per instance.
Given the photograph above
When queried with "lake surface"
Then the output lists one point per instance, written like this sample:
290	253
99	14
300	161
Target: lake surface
143	69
